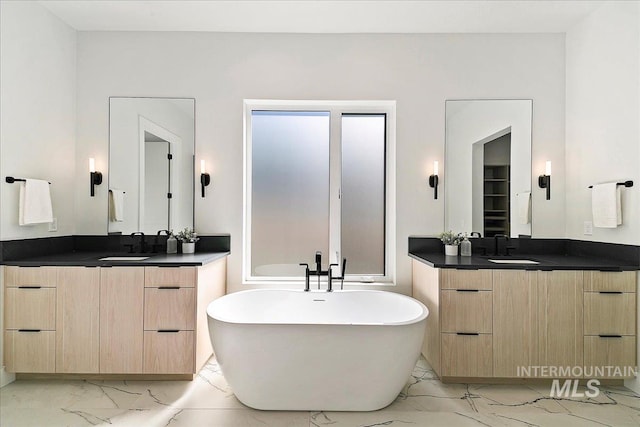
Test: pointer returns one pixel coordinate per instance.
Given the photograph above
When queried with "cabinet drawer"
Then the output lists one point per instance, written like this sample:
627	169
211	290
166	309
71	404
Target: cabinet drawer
170	276
168	352
465	311
169	308
620	281
30	351
609	351
30	308
467	355
609	313
30	276
466	279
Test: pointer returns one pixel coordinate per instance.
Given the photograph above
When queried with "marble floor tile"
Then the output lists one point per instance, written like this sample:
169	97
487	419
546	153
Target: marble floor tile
209	401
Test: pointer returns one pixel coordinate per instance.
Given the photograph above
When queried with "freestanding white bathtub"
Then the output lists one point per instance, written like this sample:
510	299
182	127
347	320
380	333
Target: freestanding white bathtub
295	350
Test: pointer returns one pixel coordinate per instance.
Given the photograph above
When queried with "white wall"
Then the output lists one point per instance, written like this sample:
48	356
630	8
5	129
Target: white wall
603	120
418	71
38	110
37	119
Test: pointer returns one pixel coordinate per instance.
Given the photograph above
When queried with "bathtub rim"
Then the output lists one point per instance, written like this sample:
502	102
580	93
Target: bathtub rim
423	315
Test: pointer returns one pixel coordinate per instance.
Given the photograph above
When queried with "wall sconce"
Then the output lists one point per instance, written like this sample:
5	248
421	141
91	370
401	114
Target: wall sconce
96	177
205	178
544	181
433	180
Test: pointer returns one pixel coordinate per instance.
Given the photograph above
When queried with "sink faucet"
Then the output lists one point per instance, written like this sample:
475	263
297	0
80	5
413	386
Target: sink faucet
496	239
143	244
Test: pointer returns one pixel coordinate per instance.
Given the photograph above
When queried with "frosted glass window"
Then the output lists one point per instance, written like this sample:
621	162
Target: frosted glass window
363	193
289	190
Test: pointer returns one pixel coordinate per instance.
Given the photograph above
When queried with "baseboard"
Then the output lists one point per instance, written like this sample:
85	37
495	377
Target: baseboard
6	377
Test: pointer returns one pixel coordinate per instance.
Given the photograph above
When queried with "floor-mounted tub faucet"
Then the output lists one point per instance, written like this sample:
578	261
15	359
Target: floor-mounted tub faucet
319	272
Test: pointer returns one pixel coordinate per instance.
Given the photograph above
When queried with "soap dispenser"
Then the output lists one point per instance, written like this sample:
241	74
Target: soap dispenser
465	247
172	244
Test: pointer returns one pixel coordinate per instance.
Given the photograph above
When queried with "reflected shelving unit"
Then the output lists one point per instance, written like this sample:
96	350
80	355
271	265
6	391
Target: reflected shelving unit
496	200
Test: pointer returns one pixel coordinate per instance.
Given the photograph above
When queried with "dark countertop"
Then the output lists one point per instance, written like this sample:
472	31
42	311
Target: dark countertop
546	262
92	259
551	254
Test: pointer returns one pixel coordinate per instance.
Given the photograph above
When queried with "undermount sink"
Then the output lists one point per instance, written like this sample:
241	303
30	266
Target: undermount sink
124	258
513	261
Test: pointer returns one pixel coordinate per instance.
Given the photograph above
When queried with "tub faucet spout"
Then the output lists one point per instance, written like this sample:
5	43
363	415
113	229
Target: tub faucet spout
306	276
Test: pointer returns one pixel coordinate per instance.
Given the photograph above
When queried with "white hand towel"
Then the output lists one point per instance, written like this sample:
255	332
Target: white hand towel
117	205
35	202
524	207
606	206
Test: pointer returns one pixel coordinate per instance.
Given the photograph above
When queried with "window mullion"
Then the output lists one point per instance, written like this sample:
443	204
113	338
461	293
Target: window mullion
335	176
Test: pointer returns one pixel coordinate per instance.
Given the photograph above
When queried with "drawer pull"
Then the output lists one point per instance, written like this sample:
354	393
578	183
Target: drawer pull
169	287
467	333
29	330
611	292
609	336
167	331
467	290
29	287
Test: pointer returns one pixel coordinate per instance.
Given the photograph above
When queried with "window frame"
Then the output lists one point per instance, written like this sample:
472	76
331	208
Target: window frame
336	109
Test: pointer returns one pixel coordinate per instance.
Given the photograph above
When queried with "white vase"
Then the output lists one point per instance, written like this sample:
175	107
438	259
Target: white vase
451	250
188	248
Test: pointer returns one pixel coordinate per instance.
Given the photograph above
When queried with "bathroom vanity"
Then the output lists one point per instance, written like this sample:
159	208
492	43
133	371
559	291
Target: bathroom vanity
488	321
77	314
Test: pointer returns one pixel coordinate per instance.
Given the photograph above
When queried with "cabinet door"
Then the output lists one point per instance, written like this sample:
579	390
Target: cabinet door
30	351
30	308
515	334
121	319
467	355
168	352
77	320
169	308
560	318
614	356
464	311
609	313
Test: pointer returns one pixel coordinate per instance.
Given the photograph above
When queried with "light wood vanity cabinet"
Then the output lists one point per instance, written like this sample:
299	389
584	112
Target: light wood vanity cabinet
514	322
121	319
110	320
169	320
610	319
30	319
78	320
488	323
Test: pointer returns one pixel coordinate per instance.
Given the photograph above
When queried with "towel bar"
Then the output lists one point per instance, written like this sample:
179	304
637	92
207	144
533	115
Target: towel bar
11	179
626	184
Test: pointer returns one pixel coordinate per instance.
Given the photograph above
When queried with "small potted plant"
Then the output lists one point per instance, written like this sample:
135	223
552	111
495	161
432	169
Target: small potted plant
451	242
188	237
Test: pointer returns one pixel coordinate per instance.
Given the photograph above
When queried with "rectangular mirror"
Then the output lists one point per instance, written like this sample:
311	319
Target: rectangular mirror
487	171
151	161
